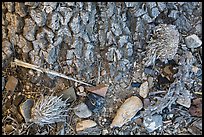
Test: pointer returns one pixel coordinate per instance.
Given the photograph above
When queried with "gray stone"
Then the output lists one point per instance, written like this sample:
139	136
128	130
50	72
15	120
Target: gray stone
193	41
152	123
25	109
7	48
147	18
52	54
66	15
25	45
154	12
140	12
70	54
21	9
84	17
123	40
161	6
116	29
130	4
128	49
49	6
124	64
89	54
182	23
82	111
111	9
39	17
35	58
173	14
151	4
69	94
29	29
53	21
32	5
75	25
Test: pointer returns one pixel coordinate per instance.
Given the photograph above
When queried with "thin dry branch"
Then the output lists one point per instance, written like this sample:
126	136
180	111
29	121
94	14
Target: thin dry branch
38	68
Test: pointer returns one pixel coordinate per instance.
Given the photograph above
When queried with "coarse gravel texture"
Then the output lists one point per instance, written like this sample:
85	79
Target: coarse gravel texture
105	43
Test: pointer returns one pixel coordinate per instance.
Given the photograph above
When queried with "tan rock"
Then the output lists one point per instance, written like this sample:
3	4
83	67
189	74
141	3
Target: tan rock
100	89
82	125
127	111
144	89
11	83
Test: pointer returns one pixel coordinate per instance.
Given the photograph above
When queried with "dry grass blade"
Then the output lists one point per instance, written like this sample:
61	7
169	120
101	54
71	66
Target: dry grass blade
37	68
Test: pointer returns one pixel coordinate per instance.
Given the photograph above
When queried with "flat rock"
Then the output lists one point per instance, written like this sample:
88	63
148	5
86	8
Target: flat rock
82	125
184	101
25	109
127	111
100	89
69	94
193	41
153	122
82	111
11	83
144	89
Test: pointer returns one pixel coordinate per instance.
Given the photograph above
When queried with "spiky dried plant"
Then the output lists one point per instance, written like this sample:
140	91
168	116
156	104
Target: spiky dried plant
48	110
163	45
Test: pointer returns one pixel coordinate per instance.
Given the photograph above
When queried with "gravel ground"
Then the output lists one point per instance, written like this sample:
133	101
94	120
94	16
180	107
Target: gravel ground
151	50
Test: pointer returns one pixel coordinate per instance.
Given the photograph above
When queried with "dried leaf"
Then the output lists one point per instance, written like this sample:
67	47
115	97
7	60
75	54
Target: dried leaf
100	89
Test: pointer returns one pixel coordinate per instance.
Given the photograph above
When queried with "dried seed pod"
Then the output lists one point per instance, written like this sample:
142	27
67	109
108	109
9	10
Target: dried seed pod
164	44
48	110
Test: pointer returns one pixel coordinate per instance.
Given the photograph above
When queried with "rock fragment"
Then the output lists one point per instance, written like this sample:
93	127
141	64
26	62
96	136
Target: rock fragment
82	125
153	122
127	111
25	109
94	102
29	29
144	89
69	94
196	107
11	83
100	89
39	17
193	41
82	111
184	101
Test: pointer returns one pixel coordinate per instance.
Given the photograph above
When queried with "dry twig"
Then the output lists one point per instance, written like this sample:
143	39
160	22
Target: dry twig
38	68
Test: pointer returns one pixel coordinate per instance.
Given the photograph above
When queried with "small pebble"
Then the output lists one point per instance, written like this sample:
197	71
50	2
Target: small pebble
144	89
82	111
193	41
82	125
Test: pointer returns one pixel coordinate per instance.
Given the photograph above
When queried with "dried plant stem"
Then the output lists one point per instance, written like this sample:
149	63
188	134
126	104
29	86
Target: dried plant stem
37	68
